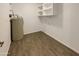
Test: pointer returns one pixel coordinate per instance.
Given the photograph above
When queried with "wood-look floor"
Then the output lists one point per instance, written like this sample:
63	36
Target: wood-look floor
39	44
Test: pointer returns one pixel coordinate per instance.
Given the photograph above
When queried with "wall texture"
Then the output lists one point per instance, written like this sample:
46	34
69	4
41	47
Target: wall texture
74	31
29	13
4	28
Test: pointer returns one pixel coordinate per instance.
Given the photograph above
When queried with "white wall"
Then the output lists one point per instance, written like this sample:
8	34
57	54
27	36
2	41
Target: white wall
70	23
4	28
29	13
64	26
53	25
74	35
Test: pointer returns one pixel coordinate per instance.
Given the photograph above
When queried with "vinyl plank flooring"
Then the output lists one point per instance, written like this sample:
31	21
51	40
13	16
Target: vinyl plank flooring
39	44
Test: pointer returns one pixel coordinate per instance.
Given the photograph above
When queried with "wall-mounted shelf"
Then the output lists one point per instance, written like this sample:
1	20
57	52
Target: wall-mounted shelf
45	9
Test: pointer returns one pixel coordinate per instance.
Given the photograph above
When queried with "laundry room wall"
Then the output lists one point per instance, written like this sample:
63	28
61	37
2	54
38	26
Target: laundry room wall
4	28
74	29
29	13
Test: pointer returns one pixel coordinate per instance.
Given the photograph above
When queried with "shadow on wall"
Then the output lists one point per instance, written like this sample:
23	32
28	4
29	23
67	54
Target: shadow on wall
55	20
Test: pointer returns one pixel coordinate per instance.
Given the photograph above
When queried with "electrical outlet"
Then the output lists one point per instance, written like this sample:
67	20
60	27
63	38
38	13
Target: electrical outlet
1	44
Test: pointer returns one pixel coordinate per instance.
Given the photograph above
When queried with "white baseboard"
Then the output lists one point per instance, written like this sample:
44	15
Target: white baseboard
30	32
